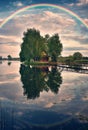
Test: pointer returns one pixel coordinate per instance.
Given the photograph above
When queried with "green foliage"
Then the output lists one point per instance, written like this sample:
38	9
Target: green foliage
9	57
72	60
82	61
34	44
55	47
47	37
55	80
77	56
38	79
69	60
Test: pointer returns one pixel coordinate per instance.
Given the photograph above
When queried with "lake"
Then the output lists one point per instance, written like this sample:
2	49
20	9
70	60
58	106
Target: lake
42	98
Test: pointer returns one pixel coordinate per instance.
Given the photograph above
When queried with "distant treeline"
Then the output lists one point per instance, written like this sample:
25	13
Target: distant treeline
10	58
76	59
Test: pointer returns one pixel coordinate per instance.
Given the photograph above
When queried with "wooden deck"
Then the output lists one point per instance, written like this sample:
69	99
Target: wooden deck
82	69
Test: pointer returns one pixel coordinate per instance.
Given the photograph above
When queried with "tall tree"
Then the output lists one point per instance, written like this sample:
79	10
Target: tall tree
77	56
32	46
33	80
54	80
54	47
36	80
9	57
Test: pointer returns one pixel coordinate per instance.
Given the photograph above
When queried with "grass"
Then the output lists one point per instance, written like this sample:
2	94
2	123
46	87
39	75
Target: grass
42	63
36	63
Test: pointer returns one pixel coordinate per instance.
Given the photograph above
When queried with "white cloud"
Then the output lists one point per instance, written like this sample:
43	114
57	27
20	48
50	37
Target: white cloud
79	3
82	2
1	20
86	21
9	39
18	4
47	22
6	49
72	4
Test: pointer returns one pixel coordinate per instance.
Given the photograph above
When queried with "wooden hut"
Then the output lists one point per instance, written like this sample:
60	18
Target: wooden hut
44	56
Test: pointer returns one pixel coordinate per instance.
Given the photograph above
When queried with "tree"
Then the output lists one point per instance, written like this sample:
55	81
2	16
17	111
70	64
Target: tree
9	57
77	56
33	80
32	46
54	80
69	60
0	57
36	80
47	37
54	47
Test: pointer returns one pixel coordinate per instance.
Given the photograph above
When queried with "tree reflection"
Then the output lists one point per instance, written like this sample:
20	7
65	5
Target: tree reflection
39	79
55	80
9	63
0	62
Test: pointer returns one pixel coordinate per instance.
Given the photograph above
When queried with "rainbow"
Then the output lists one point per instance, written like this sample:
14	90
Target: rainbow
43	5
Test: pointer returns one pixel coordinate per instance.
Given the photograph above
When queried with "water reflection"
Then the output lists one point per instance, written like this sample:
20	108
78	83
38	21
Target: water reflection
67	110
54	80
9	63
0	62
39	79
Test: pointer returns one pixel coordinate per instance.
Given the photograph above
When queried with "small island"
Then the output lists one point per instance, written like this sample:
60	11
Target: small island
37	49
46	50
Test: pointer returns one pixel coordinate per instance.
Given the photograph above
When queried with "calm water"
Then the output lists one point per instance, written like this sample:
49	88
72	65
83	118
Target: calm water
42	98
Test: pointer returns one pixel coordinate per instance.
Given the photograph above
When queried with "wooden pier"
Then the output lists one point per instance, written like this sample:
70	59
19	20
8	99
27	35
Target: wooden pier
77	69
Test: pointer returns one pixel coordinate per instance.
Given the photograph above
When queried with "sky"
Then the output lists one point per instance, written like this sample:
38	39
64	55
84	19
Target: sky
49	20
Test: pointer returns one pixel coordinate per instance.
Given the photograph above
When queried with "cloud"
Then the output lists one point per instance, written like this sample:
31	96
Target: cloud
46	21
71	45
13	40
18	4
6	49
82	2
71	5
79	7
76	48
81	38
9	45
79	3
1	20
59	17
86	21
